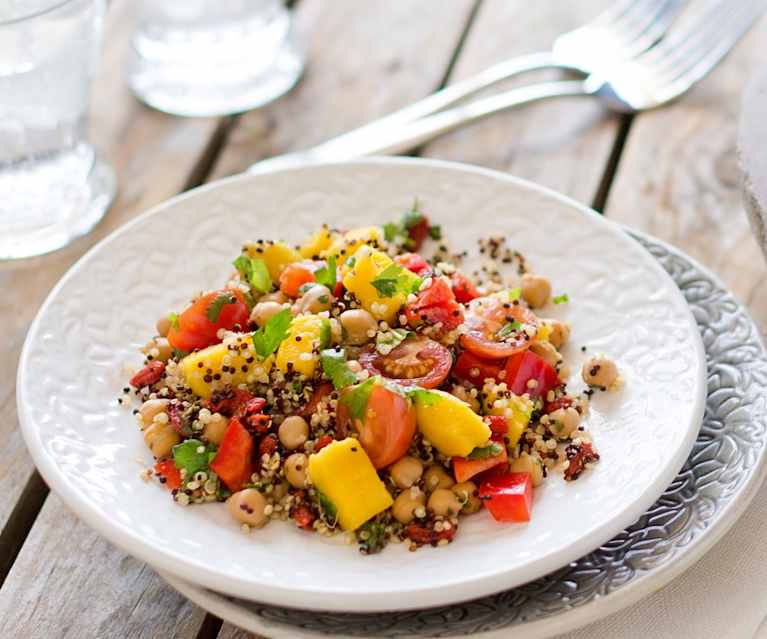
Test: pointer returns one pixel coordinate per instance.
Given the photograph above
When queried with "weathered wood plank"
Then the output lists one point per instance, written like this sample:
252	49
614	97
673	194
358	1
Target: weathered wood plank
563	144
365	60
69	583
678	177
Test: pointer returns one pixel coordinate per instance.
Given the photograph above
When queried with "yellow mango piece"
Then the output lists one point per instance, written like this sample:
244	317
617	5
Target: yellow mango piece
449	423
201	368
276	255
317	243
343	472
517	411
314	332
544	332
347	244
368	264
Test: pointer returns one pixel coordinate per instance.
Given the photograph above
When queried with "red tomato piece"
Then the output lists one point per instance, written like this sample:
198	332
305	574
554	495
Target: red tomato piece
233	461
413	262
486	318
303	516
150	374
417	361
509	498
435	305
195	330
525	367
463	288
322	442
498	425
169	475
464	469
294	276
476	370
387	427
419	231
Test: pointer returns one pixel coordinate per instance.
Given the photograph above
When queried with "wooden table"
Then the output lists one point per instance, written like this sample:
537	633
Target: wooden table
672	173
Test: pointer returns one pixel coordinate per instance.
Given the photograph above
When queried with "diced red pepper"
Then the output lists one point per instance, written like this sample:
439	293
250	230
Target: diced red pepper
150	374
526	366
322	442
464	469
463	288
169	475
423	534
476	370
435	305
233	461
509	497
413	262
498	425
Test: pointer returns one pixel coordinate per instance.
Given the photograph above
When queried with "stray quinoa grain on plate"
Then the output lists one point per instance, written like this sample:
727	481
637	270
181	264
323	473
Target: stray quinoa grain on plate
351	385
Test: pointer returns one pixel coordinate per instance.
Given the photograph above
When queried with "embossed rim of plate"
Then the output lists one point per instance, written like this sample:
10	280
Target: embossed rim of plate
315	596
569	618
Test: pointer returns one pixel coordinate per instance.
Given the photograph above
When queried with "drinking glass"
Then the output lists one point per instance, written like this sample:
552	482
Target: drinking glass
53	185
212	57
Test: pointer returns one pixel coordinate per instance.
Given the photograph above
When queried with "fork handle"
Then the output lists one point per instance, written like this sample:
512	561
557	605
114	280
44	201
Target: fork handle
400	138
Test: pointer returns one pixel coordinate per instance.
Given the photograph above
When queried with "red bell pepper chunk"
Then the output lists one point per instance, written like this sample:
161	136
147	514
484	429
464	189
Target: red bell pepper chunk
526	366
169	475
476	370
150	374
509	497
464	469
233	461
498	425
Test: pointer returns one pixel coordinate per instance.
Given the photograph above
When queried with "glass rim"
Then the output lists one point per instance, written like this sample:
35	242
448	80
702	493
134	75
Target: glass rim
57	4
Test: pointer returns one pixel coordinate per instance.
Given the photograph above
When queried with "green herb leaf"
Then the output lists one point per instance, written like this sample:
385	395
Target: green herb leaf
267	340
217	305
177	353
389	340
394	279
254	272
335	368
187	456
435	232
328	508
484	452
375	538
173	319
515	294
509	329
391	231
412	218
327	274
561	299
356	399
424	397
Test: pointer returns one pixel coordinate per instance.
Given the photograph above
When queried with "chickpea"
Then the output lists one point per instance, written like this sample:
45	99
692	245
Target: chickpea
263	312
599	371
152	407
528	464
247	507
560	332
435	478
444	502
315	300
468	495
406	472
159	348
406	503
163	326
536	290
547	352
214	430
356	323
563	422
295	470
161	438
293	432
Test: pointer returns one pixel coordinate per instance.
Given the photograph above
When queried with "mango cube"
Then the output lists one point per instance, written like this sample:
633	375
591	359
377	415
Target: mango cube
450	424
303	354
276	256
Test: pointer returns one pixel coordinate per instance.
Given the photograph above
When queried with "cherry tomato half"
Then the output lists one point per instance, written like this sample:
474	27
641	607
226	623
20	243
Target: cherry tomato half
415	362
387	427
294	276
195	330
463	288
486	317
476	370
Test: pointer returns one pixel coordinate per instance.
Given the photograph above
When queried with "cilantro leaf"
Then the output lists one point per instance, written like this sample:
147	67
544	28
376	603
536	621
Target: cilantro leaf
389	340
187	456
394	279
491	450
173	319
509	328
266	340
254	272
435	232
514	294
217	305
375	538
335	368
561	299
356	399
178	354
412	218
391	230
327	274
328	507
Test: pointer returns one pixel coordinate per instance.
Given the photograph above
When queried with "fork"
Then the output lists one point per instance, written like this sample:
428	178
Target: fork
646	81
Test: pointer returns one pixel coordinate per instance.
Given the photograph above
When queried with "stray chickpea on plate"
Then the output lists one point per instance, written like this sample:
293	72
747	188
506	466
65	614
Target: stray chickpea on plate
353	386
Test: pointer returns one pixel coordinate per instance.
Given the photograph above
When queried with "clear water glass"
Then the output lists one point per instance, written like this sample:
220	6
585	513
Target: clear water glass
212	57
53	185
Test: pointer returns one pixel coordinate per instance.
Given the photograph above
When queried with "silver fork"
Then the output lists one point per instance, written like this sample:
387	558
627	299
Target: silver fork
625	29
646	81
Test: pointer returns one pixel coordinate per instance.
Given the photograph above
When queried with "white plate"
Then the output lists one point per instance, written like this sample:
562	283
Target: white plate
621	303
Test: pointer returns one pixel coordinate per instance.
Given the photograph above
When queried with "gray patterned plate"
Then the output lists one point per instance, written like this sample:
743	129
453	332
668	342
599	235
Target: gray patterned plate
712	490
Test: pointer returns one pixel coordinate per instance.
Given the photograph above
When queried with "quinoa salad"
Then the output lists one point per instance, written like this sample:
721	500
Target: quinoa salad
362	384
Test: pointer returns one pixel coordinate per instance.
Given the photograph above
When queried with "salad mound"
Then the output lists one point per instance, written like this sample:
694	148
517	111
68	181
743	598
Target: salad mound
352	385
